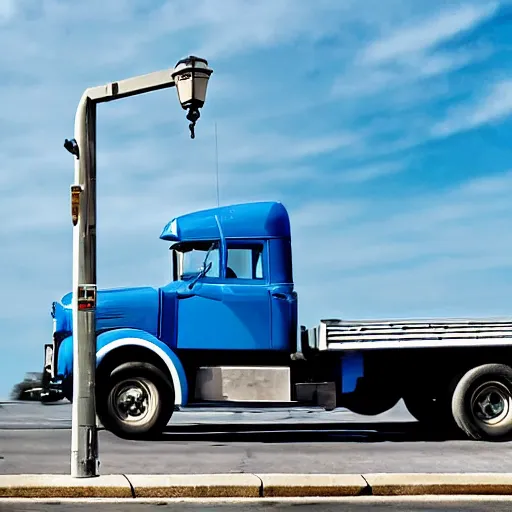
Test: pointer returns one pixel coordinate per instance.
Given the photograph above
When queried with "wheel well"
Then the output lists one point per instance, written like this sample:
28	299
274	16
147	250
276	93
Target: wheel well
129	353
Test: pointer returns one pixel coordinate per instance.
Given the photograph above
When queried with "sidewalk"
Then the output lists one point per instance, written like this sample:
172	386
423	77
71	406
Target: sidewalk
247	485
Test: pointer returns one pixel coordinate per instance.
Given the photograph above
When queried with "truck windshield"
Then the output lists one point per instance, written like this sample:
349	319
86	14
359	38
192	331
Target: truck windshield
194	259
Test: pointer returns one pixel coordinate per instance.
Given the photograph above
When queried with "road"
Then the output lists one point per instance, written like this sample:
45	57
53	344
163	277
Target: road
31	415
347	505
36	439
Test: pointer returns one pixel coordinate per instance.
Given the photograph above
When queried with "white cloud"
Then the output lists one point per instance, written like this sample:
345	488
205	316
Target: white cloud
243	24
370	172
7	10
318	213
496	106
428	33
244	146
409	53
401	75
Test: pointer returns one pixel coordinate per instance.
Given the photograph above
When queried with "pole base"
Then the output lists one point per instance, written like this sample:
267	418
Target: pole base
84	460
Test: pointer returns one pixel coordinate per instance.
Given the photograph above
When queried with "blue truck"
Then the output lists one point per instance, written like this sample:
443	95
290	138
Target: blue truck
225	331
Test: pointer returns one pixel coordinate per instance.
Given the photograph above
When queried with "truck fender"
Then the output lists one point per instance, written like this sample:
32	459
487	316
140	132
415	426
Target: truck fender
111	340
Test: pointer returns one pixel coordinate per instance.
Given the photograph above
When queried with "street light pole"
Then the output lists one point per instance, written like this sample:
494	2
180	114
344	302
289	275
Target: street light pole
190	77
84	436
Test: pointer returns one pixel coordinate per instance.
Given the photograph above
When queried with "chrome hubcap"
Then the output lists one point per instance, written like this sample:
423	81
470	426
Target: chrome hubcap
491	402
132	400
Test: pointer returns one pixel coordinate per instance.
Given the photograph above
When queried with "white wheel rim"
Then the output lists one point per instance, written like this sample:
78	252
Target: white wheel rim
133	401
491	403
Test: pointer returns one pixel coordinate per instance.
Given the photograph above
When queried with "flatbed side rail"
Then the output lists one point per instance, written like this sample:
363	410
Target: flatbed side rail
380	334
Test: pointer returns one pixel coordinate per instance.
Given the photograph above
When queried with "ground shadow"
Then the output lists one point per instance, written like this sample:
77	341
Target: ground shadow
307	433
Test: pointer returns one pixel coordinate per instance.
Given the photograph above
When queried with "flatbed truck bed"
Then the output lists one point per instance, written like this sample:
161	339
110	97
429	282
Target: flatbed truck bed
333	334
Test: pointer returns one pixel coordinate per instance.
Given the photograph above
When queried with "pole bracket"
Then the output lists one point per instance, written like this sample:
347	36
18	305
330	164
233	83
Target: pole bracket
76	192
86	297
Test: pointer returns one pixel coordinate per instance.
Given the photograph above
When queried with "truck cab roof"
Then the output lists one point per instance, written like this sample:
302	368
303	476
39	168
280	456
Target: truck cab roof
245	220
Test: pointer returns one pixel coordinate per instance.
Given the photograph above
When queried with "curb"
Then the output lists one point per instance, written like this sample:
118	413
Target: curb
231	485
247	485
64	486
410	484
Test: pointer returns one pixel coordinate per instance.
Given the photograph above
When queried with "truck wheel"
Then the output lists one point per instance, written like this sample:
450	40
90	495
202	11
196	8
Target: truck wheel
429	410
135	401
368	403
482	402
421	407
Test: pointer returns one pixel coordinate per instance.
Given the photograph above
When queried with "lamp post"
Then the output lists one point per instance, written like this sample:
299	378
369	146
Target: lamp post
190	76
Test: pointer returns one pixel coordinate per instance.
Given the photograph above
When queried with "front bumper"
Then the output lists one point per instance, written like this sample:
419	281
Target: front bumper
52	388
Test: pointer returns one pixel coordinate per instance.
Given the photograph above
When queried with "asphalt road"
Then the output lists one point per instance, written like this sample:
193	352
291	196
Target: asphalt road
36	439
347	505
32	415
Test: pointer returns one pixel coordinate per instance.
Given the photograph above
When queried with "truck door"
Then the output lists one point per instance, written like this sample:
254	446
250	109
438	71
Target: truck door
230	309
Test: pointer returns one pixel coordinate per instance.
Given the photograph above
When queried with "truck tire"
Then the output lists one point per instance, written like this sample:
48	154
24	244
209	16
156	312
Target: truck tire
430	411
366	406
135	401
371	400
482	402
421	407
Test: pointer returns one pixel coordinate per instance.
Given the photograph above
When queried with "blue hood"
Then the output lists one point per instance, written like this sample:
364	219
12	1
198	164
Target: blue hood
136	308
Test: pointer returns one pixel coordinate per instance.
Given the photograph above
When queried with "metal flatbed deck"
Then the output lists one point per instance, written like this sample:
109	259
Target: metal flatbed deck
384	334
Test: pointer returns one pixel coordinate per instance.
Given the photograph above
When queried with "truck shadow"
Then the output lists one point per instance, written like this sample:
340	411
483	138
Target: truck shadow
307	433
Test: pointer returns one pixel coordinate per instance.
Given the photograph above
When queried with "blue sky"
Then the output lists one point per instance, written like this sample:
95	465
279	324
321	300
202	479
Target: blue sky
384	127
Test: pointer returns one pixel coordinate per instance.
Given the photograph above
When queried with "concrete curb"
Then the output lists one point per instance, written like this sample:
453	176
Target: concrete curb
306	485
64	486
232	485
407	484
246	485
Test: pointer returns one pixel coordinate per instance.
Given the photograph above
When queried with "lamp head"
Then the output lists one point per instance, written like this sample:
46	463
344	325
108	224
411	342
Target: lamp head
191	77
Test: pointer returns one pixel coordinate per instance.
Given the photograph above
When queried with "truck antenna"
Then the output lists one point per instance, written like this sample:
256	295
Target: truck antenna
217	163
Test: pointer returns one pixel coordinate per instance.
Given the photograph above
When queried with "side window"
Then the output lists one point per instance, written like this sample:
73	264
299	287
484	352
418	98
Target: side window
245	262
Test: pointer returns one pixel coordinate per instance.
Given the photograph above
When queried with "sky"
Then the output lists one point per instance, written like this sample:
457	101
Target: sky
383	127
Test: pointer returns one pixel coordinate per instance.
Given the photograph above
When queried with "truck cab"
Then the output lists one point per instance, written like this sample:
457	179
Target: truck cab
232	285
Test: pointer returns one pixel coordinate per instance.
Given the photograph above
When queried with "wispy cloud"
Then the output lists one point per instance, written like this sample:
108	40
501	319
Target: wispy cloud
428	33
411	78
269	146
402	74
7	10
495	106
225	33
370	172
413	52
